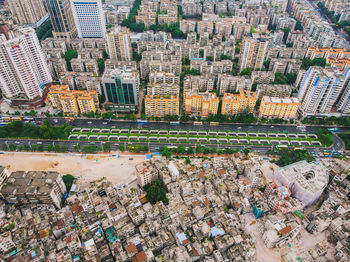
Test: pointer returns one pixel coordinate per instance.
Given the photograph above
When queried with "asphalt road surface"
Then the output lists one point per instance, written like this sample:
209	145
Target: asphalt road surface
261	150
100	123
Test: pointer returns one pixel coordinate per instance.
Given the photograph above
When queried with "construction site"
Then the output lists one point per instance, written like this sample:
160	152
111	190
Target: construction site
87	168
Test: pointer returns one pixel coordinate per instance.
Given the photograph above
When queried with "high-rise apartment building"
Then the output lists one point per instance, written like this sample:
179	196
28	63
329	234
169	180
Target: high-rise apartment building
23	67
89	18
200	104
119	44
253	53
233	104
69	104
343	105
27	11
61	17
73	101
121	88
320	89
160	106
40	187
279	107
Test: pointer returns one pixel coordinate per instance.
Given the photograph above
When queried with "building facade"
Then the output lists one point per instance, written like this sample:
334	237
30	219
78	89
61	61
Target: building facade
89	18
320	89
61	17
119	44
73	102
121	88
28	11
160	106
34	187
253	53
23	68
274	107
200	104
233	104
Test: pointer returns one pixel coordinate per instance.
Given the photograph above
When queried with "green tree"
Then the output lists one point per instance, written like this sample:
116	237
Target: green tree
49	148
41	148
206	150
188	161
156	192
246	151
210	58
181	150
68	56
254	86
121	148
213	150
246	72
190	150
237	50
165	152
107	147
77	148
105	55
186	61
288	156
101	65
267	64
44	30
286	33
298	26
291	77
280	79
57	148
137	148
325	137
199	150
64	149
68	180
306	63
12	147
5	147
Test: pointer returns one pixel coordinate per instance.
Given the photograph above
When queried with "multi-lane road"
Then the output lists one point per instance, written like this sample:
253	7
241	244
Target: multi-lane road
338	145
100	123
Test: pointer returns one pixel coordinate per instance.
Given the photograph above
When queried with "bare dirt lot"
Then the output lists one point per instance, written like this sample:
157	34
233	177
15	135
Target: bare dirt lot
87	167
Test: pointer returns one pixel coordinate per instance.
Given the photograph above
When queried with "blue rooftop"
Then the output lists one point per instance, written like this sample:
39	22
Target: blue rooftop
215	231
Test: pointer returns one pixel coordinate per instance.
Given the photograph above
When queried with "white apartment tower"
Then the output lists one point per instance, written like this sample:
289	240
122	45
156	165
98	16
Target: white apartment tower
89	18
253	52
320	89
119	44
23	67
343	105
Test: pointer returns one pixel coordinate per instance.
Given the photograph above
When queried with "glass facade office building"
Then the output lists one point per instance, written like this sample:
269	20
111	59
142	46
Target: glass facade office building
121	96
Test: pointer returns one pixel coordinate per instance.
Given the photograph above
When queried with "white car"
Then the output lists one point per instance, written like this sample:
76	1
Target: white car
105	123
39	143
17	142
89	122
